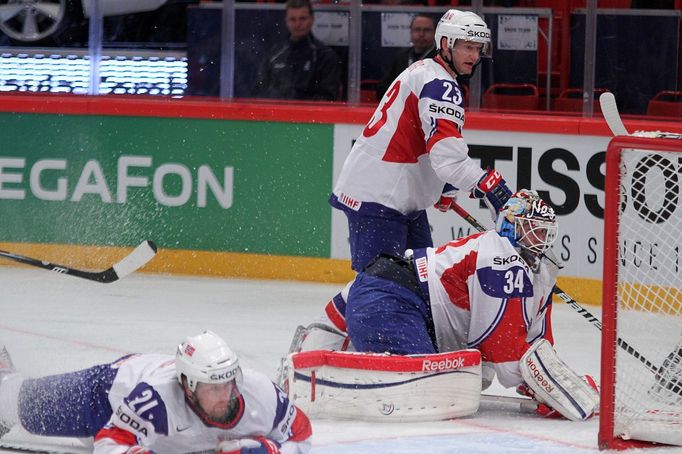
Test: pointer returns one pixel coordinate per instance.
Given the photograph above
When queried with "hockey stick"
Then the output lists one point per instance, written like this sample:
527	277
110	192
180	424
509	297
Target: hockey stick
610	111
136	259
21	447
594	321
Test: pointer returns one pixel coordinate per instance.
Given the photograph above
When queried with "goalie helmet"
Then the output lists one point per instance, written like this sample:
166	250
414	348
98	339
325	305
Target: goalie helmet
206	358
456	24
528	222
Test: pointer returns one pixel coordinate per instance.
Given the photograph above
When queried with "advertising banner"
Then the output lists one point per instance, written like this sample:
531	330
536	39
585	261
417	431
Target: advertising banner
567	170
196	184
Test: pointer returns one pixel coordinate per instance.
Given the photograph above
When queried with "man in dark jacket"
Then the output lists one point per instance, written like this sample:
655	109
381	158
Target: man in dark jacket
422	35
301	67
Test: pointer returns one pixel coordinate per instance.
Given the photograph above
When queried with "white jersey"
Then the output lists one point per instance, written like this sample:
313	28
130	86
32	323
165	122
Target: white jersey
411	145
484	296
149	410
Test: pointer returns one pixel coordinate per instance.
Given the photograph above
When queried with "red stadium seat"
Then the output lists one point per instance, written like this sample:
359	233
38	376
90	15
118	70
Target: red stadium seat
571	100
666	104
368	91
511	96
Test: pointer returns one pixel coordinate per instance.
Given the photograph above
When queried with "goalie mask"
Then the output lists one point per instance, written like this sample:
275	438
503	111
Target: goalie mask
528	222
209	372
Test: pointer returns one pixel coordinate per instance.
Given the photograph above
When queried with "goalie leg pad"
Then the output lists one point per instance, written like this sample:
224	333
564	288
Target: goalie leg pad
316	336
383	387
555	384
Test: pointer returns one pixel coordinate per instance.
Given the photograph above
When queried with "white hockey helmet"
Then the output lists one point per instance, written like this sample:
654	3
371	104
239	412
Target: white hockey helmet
528	222
456	24
206	358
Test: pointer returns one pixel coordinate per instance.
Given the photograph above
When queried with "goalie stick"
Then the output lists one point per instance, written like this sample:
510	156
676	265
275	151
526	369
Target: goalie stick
594	321
609	109
133	261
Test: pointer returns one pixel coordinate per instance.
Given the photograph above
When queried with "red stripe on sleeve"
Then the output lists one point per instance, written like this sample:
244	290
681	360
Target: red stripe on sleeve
118	435
335	316
301	429
444	129
458	242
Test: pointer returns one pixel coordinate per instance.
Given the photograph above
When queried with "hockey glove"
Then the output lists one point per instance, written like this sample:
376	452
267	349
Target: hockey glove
257	445
447	199
493	189
545	410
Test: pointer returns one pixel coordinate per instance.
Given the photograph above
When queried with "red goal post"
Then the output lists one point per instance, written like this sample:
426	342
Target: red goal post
641	357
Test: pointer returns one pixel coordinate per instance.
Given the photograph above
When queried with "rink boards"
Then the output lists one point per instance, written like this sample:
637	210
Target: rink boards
242	190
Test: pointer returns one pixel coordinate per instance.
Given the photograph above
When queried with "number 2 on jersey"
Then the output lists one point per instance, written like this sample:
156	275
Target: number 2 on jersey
374	126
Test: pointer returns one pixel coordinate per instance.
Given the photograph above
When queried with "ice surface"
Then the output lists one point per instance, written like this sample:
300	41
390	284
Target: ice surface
53	323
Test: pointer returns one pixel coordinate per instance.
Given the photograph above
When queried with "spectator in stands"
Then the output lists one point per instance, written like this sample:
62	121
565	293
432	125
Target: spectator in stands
300	67
422	35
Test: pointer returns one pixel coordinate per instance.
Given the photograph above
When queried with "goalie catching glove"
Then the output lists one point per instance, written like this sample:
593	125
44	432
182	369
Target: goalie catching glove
257	445
554	384
544	410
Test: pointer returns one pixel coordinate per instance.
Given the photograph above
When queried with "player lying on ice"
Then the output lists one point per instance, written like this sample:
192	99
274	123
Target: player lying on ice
489	292
201	400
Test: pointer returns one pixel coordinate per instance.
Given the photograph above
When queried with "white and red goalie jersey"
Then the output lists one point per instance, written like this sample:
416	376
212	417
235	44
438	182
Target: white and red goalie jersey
484	296
411	145
150	410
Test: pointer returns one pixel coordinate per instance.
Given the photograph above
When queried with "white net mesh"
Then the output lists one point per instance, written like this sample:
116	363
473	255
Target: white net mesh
648	403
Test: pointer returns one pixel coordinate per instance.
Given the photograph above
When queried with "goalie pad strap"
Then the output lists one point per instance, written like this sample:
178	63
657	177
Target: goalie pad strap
438	362
381	387
555	384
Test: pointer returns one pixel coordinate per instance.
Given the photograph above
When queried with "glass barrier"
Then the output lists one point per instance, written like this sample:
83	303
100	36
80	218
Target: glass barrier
636	57
173	48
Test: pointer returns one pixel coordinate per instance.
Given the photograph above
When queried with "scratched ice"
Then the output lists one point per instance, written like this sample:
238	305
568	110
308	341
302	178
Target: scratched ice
52	323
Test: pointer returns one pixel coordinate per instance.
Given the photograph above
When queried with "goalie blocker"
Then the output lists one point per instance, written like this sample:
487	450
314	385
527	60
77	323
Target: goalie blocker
383	387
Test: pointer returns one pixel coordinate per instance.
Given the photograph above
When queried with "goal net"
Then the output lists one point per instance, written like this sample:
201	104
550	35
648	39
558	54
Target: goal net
641	370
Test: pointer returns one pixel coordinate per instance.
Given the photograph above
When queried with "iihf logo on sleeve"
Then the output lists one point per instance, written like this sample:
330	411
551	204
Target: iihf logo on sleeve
350	202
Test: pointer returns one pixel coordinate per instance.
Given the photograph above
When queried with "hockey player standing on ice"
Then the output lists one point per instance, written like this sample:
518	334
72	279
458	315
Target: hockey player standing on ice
201	400
411	147
489	291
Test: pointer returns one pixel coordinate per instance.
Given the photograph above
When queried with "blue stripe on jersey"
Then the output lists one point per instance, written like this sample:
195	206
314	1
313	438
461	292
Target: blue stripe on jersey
542	311
493	325
543	331
526	318
512	282
442	90
364	386
340	304
548	302
282	406
146	402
